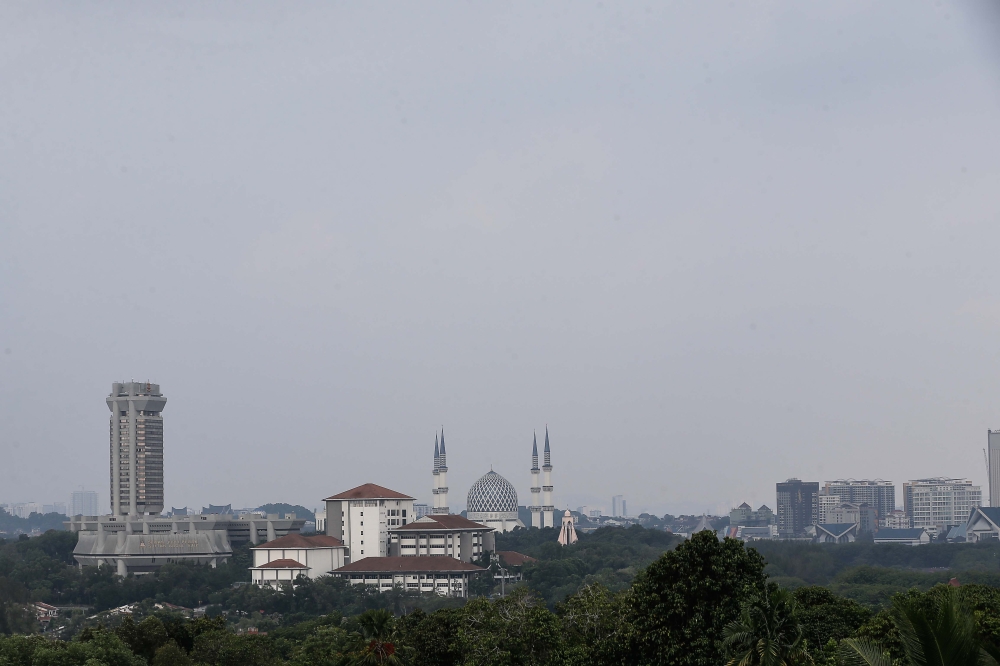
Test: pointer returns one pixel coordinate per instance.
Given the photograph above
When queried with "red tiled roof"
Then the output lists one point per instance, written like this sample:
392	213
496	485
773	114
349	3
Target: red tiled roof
514	559
368	491
416	564
300	541
282	564
443	522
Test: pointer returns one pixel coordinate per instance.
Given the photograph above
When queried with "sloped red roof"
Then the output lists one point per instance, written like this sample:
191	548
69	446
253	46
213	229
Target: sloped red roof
282	564
514	559
418	564
300	541
443	522
368	491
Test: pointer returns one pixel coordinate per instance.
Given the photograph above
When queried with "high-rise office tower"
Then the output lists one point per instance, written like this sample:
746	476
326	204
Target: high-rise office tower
136	448
878	494
993	440
797	506
618	506
536	489
83	503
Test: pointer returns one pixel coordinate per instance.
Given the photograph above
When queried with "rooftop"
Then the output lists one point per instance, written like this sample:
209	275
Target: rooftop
368	491
282	564
300	541
514	559
420	563
442	522
908	533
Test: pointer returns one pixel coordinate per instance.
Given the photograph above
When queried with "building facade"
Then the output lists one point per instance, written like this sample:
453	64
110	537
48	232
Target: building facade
136	448
445	576
449	535
362	517
862	514
876	493
309	556
746	516
797	506
897	520
993	444
938	504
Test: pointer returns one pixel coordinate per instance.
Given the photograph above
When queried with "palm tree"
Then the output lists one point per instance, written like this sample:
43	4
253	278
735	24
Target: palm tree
766	633
376	641
946	636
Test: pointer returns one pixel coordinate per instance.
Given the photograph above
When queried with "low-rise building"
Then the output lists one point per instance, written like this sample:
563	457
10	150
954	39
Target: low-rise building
446	576
836	533
310	556
983	524
442	534
746	516
913	536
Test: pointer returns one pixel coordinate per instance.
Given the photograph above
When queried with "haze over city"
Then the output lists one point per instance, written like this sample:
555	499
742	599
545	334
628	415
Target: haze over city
710	246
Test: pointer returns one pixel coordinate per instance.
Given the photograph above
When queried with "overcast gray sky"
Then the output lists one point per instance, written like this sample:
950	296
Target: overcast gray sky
711	245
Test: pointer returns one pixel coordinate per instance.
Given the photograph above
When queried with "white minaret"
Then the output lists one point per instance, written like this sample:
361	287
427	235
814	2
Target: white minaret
547	508
437	476
536	489
442	472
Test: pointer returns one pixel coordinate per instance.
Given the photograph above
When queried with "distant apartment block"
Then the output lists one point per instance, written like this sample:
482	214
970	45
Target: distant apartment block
797	506
419	511
993	442
826	504
940	503
618	506
55	507
23	509
876	493
897	520
861	514
83	503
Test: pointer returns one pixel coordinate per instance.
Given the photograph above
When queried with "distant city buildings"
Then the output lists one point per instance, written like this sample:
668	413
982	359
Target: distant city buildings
618	507
825	504
797	506
83	503
878	494
24	509
864	515
419	510
938	504
136	448
745	516
897	520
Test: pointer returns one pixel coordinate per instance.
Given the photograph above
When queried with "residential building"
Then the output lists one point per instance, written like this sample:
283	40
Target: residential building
797	506
309	556
836	533
142	544
618	506
438	534
825	504
938	504
83	503
55	507
24	509
897	520
744	515
913	536
346	518
876	493
446	576
993	461
862	514
136	448
983	524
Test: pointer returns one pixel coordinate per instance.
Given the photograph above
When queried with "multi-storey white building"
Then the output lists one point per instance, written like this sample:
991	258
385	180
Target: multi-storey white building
284	559
876	493
136	448
825	505
449	535
939	503
362	517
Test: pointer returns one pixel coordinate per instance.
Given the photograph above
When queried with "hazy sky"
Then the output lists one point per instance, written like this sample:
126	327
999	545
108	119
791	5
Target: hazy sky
711	245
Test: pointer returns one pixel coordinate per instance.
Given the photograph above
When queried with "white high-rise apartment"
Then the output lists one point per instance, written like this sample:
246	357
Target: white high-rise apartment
993	441
876	493
940	503
83	503
618	506
136	448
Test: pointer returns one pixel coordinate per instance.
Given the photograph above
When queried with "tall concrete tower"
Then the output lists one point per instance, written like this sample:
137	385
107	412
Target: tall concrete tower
536	489
993	440
547	508
437	474
441	506
136	448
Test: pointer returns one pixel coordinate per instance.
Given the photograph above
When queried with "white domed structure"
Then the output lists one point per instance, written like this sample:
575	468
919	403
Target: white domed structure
492	501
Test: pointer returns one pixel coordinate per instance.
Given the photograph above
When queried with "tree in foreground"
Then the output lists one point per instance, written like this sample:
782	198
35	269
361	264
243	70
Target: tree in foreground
679	606
943	636
376	642
766	633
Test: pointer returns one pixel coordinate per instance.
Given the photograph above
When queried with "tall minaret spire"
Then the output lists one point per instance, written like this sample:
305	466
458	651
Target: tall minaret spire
436	473
547	507
442	471
536	489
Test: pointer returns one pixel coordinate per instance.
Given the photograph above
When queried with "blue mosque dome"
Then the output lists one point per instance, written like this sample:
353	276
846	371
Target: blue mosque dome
492	494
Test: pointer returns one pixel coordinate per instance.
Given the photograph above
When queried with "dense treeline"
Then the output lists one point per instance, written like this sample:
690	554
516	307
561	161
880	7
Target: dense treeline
703	603
37	521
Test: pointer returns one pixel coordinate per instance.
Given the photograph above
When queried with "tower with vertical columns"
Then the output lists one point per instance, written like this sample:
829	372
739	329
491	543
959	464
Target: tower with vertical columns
437	475
136	448
536	489
441	470
547	508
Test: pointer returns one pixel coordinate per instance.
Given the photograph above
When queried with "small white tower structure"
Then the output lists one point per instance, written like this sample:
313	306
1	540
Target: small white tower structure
441	492
536	488
547	507
437	474
567	533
